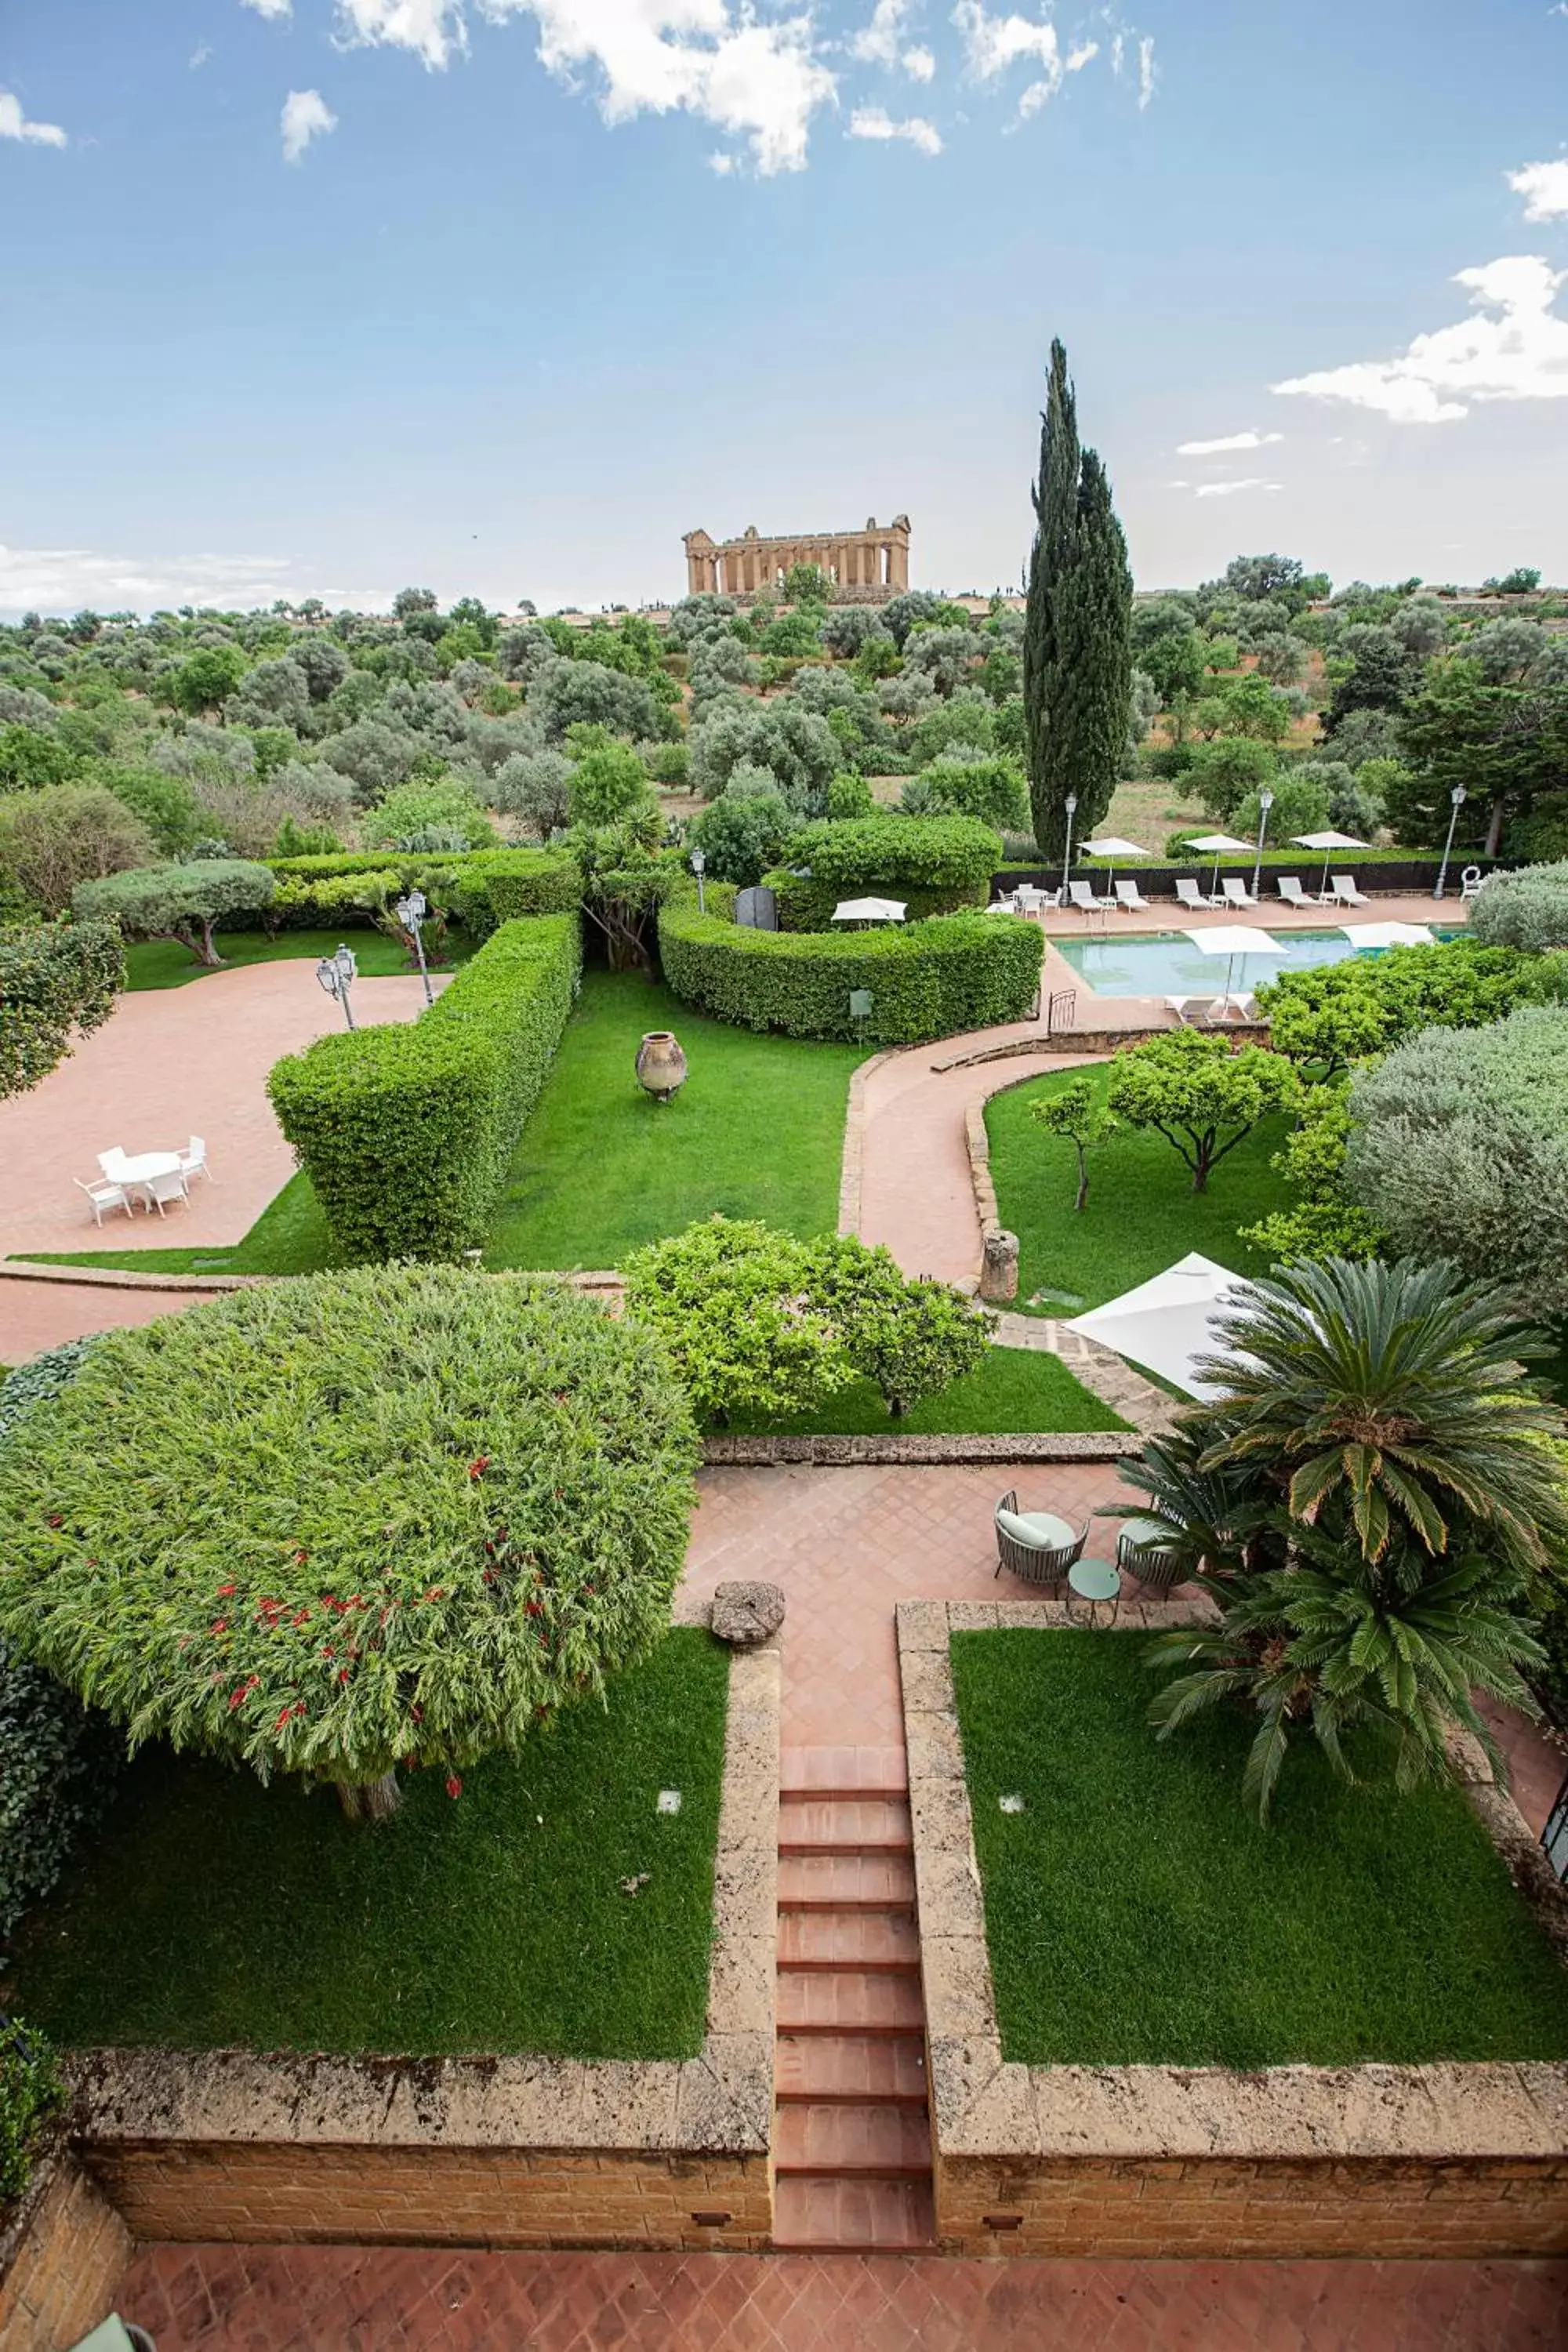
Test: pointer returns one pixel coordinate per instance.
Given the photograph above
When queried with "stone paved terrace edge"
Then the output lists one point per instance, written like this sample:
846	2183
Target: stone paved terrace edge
1454	2159
524	2151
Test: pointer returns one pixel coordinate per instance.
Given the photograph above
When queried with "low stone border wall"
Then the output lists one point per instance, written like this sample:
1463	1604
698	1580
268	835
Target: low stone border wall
61	2255
1455	2160
846	1453
519	2151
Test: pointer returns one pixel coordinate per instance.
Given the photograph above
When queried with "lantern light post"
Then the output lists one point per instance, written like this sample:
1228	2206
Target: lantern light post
1070	805
337	974
1265	803
411	913
699	866
1457	799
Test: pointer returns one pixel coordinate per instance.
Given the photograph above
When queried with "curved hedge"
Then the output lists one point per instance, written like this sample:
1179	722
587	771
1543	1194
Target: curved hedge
481	886
927	980
407	1130
934	864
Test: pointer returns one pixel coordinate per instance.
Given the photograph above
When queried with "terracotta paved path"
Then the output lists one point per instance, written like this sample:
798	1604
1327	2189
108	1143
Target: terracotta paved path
394	2299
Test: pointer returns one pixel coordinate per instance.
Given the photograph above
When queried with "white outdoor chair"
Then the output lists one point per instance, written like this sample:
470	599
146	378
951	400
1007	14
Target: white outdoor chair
1081	895
194	1163
1291	890
1234	892
1129	895
1471	883
103	1196
1030	901
156	1189
1347	892
111	1162
1189	894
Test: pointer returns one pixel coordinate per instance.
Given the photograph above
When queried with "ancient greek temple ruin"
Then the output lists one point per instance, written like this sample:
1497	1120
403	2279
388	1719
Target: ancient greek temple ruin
864	566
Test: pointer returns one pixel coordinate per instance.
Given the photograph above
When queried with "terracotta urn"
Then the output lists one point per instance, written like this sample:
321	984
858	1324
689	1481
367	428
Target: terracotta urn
661	1064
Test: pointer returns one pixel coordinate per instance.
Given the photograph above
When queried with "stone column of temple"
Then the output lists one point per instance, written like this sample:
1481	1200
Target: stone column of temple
900	564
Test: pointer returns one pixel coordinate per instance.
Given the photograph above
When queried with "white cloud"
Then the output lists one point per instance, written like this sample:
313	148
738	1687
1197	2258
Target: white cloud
14	124
879	43
1145	73
1514	347
65	579
433	29
276	10
992	44
875	122
721	163
919	64
1544	187
1226	443
199	56
1234	489
305	116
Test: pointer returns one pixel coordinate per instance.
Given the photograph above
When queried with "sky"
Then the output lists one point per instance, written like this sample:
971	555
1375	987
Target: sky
501	297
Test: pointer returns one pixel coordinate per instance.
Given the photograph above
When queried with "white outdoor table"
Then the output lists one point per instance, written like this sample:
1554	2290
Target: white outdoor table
143	1169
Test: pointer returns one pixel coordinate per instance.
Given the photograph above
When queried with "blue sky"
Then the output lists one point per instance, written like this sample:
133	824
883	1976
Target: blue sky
324	295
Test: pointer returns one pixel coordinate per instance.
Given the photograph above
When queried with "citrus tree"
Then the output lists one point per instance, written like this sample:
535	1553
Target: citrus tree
1204	1099
338	1524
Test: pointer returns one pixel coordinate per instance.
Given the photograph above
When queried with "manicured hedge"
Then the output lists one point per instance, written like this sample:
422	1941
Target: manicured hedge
934	864
927	979
407	1130
481	886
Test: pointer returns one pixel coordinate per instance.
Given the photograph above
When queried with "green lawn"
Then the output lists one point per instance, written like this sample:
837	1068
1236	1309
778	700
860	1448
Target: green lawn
163	963
1142	1214
757	1130
210	1912
1014	1389
289	1237
1137	1915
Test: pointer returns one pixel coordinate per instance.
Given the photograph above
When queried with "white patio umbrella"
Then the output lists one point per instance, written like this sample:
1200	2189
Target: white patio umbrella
1166	1323
869	910
1388	935
1328	843
1233	940
1222	844
1113	847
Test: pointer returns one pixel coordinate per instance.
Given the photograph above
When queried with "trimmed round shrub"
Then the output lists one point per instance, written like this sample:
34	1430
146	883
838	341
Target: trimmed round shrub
444	1503
926	980
1458	1147
934	864
1528	909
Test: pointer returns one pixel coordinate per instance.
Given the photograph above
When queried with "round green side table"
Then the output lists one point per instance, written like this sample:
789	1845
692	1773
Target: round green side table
1096	1583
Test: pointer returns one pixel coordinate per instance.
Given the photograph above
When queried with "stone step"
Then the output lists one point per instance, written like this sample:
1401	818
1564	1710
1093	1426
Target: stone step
849	2001
817	2067
857	2139
827	1882
824	2214
853	1824
848	1939
813	1769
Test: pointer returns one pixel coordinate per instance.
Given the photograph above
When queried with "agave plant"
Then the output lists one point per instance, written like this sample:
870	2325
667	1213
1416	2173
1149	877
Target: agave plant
1402	1389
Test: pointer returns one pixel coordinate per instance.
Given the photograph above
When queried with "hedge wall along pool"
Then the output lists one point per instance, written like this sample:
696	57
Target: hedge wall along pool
930	980
407	1130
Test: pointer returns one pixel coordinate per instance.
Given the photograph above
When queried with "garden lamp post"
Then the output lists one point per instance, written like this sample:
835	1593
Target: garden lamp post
411	913
699	866
1457	797
337	974
1070	804
1265	803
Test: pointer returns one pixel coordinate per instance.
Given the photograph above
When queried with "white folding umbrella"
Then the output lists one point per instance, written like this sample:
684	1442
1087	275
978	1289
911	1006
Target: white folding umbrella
869	910
1388	935
1222	844
1166	1323
1113	847
1328	843
1233	940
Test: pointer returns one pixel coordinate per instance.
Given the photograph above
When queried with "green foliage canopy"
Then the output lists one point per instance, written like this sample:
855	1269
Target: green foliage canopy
1188	1086
57	980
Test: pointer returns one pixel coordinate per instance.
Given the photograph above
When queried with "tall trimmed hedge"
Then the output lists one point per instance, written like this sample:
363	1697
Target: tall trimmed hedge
481	886
407	1130
934	864
927	980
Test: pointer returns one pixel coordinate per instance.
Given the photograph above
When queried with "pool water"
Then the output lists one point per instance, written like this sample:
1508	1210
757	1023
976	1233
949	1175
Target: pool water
1166	963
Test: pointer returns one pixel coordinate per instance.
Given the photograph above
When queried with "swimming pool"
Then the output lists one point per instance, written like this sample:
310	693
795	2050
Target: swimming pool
1166	963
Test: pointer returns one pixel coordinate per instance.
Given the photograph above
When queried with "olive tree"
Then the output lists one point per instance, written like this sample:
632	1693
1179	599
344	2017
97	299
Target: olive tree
71	832
180	902
800	749
535	786
1528	909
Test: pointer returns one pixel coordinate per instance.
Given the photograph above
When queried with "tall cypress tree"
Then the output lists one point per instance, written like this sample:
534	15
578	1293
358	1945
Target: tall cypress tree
1078	661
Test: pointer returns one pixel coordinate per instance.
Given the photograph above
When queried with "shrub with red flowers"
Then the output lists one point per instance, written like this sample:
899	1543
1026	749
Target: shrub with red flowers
336	1523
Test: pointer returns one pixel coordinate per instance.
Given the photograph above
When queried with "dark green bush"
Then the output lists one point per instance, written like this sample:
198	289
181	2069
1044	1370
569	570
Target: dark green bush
933	864
482	886
57	980
30	2090
927	979
407	1130
57	1758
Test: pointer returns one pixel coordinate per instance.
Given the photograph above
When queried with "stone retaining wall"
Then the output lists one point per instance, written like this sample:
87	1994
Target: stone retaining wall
61	2255
1456	2161
480	2151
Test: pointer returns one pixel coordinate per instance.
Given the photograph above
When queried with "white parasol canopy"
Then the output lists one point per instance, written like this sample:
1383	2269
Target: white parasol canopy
869	910
1221	845
1388	935
1113	847
1328	843
1233	940
1165	1323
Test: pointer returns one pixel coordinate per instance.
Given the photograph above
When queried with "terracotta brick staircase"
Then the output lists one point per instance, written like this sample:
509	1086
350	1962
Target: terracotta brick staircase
851	2132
